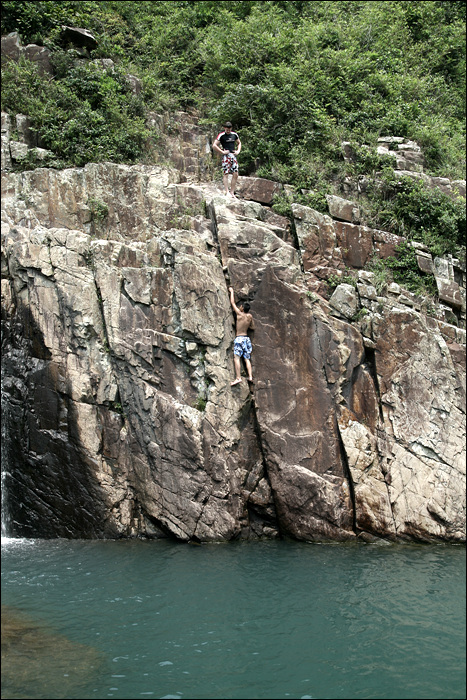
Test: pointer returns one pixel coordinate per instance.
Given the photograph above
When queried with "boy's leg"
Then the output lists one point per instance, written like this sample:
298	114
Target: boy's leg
225	180
233	183
238	368
248	367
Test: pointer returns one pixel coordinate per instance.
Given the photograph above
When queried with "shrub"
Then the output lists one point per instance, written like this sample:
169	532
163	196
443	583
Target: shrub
403	269
409	208
347	277
86	116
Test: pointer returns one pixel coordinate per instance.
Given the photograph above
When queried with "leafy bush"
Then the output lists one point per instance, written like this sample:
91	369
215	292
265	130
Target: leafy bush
403	269
409	208
88	115
347	277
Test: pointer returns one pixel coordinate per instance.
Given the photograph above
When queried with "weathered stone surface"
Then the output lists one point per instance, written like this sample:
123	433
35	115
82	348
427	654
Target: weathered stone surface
39	55
328	245
450	292
355	242
12	50
18	150
6	132
458	187
348	151
78	37
117	362
345	300
317	239
391	139
258	189
183	143
343	209
407	154
423	403
25	133
136	306
425	264
386	243
372	502
135	83
11	47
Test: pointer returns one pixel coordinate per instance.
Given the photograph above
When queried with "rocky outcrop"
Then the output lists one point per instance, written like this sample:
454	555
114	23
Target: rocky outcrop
78	38
117	338
408	161
182	143
331	244
13	50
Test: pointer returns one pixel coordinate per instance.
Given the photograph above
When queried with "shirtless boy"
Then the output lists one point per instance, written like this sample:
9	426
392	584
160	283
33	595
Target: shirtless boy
242	343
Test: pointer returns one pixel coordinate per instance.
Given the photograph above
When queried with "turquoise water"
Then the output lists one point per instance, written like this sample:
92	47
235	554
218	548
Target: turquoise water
158	619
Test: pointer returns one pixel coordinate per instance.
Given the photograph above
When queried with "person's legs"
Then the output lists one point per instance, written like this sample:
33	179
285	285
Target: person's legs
238	369
248	367
225	179
233	183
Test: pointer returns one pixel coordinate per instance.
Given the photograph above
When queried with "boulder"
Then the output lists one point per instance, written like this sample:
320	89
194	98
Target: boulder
257	189
39	55
80	38
345	300
343	209
11	47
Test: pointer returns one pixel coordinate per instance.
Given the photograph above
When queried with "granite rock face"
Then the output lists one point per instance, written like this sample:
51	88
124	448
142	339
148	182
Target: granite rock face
117	361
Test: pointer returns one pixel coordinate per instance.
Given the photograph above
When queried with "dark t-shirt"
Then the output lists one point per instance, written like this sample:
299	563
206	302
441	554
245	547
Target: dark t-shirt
227	141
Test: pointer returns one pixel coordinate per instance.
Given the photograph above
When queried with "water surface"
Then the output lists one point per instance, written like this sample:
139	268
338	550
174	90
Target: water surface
158	619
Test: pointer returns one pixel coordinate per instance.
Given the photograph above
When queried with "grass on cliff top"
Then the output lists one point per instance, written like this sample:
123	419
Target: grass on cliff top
295	78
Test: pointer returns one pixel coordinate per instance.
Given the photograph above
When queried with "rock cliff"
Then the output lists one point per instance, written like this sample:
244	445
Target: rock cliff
117	361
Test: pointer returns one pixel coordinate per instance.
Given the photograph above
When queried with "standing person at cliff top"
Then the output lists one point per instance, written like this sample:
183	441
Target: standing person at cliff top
228	144
242	343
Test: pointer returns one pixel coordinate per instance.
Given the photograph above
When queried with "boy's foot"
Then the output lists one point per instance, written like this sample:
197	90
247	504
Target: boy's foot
236	381
250	379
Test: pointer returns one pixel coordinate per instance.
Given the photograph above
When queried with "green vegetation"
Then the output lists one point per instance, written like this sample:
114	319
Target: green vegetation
200	403
403	269
346	278
116	407
408	208
85	114
296	79
99	210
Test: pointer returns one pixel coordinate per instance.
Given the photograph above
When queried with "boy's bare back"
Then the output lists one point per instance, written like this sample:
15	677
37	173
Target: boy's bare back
244	323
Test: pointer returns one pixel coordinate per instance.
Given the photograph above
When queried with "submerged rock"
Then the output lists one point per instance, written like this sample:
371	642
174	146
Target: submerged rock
35	657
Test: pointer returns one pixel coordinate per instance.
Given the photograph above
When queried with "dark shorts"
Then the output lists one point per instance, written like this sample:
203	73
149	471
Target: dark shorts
242	346
229	163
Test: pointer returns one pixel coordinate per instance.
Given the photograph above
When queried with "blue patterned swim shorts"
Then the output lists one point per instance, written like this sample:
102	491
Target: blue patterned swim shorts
229	163
242	346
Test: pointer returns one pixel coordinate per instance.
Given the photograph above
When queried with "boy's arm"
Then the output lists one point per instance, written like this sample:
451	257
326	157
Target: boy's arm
239	147
218	147
232	301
